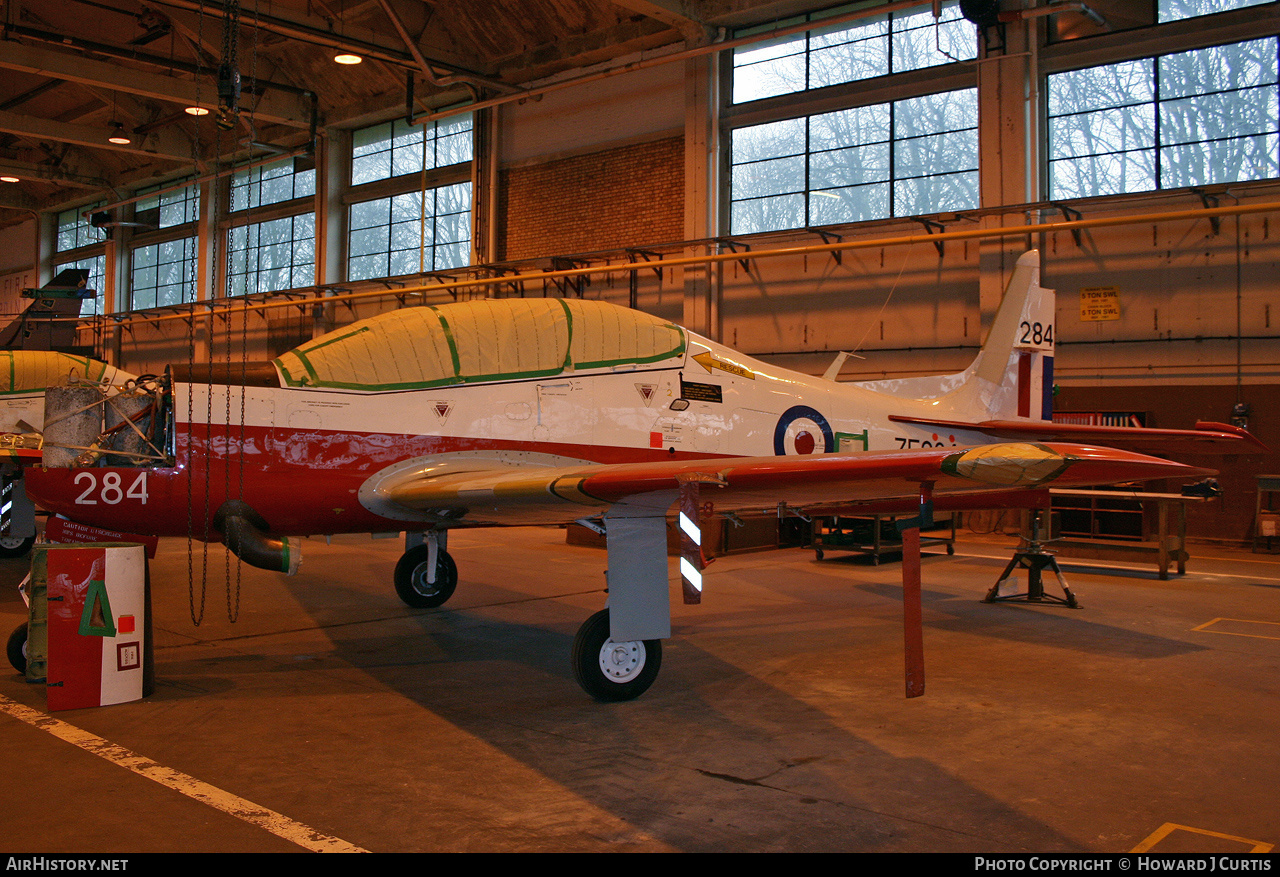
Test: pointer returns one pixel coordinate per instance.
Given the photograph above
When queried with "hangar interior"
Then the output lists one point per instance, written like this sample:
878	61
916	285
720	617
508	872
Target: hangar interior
789	177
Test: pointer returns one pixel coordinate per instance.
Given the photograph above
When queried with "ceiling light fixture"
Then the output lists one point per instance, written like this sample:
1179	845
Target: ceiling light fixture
7	179
343	56
196	111
119	135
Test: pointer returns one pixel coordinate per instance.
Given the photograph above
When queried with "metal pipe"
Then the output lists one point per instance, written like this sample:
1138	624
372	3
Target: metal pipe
711	258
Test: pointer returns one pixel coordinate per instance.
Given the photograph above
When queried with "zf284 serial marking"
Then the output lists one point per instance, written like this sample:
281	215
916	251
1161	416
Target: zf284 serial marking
1036	333
110	490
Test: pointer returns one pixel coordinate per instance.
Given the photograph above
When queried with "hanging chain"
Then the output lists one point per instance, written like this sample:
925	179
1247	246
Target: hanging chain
233	611
197	617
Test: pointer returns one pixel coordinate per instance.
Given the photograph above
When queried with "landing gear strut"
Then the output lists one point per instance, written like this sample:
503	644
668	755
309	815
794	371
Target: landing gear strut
613	671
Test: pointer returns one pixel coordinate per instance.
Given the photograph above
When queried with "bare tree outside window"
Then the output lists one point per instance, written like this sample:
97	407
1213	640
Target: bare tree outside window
419	229
868	162
842	53
163	274
409	233
1175	10
1188	119
905	158
272	255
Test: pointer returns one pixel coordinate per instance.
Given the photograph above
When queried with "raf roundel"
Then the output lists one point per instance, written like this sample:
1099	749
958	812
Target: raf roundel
803	430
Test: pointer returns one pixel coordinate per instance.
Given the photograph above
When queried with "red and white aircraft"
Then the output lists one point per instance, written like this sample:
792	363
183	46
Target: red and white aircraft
550	411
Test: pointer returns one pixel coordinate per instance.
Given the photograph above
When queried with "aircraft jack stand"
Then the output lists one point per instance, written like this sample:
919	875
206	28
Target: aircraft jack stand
1034	559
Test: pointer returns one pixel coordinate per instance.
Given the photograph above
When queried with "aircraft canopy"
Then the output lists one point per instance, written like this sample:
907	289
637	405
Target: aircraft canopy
473	341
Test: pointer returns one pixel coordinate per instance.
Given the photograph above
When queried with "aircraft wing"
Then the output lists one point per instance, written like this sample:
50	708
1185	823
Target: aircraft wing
1206	438
487	491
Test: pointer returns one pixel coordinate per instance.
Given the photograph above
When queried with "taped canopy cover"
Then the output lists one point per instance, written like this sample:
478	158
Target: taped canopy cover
489	340
23	371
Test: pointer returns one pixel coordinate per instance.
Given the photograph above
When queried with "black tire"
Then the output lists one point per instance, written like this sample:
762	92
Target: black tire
610	671
17	649
411	578
15	546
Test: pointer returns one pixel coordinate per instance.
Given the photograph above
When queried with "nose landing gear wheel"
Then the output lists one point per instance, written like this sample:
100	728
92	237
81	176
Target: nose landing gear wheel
15	546
613	671
411	578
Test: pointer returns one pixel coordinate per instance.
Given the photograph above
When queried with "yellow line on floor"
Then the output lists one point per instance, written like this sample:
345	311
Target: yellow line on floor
1254	846
1206	628
247	811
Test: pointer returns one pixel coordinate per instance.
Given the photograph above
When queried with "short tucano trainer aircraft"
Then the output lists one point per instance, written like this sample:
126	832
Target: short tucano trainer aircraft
523	411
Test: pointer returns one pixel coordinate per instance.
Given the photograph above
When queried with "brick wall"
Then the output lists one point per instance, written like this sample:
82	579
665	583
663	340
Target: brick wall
627	196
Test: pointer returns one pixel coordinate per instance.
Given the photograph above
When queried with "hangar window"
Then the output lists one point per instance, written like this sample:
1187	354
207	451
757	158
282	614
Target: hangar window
271	184
410	201
903	158
271	243
1175	10
168	206
75	231
834	54
97	268
410	233
162	272
395	148
80	245
275	254
1192	118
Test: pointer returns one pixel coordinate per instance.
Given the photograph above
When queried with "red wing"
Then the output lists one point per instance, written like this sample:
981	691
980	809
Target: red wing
984	476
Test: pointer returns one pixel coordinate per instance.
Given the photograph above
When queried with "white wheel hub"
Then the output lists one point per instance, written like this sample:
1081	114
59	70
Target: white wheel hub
621	662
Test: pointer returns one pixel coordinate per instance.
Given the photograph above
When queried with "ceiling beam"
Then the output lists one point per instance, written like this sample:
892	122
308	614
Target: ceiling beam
423	65
26	170
673	13
272	106
15	199
165	144
316	31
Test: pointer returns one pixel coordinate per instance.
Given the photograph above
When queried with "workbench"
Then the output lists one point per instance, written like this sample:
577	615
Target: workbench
1156	530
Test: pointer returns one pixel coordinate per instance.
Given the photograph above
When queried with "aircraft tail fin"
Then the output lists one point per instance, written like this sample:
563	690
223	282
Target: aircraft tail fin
1012	375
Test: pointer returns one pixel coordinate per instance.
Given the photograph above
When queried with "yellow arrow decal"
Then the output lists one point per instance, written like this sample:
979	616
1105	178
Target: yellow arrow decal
709	362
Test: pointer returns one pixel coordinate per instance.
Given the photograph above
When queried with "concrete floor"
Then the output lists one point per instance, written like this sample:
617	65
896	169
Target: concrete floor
778	722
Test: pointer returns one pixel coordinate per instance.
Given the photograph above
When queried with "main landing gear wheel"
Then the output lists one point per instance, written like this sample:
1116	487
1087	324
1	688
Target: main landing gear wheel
15	546
613	671
411	578
17	649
